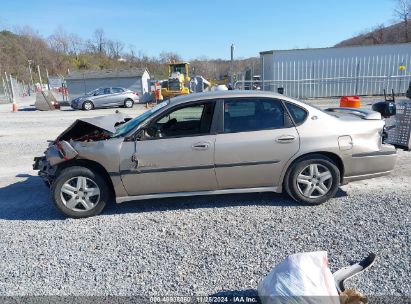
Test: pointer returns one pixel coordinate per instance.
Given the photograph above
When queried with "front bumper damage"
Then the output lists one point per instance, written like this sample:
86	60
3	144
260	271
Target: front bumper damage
54	155
82	130
46	171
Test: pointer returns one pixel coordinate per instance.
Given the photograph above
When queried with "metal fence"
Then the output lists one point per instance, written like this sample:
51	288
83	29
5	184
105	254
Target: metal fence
19	89
336	74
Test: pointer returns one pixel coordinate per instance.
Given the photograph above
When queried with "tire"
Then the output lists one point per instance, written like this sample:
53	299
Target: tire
88	105
72	200
128	103
312	180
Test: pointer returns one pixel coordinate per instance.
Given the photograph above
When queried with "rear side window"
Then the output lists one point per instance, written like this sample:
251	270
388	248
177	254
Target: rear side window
252	114
297	113
117	90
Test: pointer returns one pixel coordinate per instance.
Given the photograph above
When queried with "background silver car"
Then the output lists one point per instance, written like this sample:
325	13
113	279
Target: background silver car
106	97
214	143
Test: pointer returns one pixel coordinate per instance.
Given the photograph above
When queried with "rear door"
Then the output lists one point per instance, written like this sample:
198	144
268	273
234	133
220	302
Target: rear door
256	139
118	96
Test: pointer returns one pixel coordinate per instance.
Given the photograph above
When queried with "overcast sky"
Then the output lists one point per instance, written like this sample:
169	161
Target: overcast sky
203	28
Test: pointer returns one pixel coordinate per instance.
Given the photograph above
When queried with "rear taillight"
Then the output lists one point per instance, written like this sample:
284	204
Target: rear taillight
135	93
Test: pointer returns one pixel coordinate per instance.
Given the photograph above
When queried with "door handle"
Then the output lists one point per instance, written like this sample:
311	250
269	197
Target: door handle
283	139
201	146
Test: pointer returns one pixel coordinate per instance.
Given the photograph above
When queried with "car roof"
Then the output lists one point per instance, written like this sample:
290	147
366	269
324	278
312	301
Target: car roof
227	94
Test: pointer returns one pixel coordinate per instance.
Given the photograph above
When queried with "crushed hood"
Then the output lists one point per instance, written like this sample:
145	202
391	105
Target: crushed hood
85	126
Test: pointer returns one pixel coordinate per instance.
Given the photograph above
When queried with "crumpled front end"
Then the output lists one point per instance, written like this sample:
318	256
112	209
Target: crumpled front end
55	154
66	147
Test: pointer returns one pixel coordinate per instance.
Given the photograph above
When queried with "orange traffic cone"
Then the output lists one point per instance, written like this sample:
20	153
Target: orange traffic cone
14	107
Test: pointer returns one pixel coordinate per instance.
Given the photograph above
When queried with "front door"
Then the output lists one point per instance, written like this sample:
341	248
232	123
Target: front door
257	140
175	153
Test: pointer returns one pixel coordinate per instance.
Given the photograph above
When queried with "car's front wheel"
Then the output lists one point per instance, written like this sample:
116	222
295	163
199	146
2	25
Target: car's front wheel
79	192
88	105
312	180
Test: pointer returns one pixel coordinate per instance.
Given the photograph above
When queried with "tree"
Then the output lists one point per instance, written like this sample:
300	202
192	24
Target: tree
377	35
403	11
59	41
76	44
166	57
114	48
98	41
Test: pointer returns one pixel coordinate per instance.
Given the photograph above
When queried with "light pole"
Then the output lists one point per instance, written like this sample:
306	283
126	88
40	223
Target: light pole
31	75
232	65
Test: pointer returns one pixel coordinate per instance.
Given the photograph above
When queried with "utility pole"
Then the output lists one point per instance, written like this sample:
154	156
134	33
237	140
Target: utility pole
232	65
48	82
41	83
13	95
7	87
31	76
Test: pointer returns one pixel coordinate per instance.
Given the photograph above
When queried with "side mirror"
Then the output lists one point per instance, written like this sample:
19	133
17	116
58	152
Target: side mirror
95	94
386	108
137	136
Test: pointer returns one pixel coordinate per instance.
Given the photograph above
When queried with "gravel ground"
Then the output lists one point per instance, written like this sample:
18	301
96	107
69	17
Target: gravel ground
212	245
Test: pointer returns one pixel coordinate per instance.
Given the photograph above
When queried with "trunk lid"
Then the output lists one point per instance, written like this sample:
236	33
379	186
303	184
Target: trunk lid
360	113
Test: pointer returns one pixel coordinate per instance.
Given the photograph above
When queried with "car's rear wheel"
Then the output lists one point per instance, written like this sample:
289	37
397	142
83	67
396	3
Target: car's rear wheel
128	103
312	180
88	105
79	192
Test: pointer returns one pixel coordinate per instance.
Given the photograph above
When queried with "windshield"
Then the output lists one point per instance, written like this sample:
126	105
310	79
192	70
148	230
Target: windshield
133	123
91	93
180	68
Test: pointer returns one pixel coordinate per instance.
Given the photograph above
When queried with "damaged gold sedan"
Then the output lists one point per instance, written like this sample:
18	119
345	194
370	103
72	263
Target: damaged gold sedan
214	143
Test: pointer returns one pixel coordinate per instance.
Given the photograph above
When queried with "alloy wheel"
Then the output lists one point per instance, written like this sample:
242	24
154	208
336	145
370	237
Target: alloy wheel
80	194
129	103
314	181
88	106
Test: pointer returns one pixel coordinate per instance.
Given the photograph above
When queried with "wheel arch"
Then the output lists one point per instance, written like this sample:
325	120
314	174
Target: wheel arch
92	165
332	156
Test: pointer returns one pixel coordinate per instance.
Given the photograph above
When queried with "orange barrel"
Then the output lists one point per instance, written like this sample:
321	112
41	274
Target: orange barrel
350	102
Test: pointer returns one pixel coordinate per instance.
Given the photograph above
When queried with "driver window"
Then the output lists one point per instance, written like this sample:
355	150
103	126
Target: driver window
187	121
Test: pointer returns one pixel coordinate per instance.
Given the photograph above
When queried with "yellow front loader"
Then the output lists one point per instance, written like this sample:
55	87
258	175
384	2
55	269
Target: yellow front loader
178	80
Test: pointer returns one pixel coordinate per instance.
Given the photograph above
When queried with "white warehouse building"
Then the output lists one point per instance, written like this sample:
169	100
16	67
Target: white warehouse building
337	71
